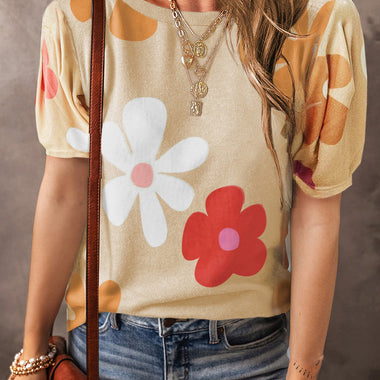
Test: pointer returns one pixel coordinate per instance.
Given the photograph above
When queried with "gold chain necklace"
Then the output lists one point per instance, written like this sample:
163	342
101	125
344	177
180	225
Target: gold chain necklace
189	60
190	51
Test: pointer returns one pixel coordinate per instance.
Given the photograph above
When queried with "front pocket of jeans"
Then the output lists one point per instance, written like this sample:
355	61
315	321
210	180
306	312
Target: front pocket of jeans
252	332
104	324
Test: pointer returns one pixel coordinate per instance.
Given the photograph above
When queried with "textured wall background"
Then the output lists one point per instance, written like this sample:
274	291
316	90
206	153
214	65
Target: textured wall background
354	334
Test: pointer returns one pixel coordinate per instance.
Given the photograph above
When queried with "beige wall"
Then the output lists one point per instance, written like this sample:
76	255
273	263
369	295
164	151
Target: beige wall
354	334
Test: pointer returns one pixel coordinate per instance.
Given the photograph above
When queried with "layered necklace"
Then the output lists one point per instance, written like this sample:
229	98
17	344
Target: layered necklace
192	51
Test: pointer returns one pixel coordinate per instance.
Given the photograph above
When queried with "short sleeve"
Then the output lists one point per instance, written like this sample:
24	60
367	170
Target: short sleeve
62	118
333	119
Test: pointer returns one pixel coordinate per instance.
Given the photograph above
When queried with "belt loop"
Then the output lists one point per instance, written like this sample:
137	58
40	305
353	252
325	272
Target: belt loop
213	331
160	327
114	322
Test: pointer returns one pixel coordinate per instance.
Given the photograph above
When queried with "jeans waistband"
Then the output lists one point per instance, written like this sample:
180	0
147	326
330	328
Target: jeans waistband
177	324
166	326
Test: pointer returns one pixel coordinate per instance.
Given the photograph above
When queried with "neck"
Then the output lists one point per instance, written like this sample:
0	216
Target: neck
189	5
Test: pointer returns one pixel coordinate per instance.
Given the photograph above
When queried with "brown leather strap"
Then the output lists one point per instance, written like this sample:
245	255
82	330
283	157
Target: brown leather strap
94	185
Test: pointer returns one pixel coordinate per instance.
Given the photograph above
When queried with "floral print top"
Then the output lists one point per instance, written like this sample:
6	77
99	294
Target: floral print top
191	223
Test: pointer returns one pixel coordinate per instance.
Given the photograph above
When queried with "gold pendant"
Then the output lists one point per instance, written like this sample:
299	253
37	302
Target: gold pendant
199	89
196	108
188	54
186	60
200	49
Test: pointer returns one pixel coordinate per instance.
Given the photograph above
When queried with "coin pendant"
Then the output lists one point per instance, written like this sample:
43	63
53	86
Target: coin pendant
200	49
199	89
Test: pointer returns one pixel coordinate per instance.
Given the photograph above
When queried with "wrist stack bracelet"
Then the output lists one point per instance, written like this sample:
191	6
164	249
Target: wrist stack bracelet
308	371
32	365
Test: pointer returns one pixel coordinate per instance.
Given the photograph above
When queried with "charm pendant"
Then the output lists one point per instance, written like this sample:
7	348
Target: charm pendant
186	60
188	54
200	49
199	89
196	108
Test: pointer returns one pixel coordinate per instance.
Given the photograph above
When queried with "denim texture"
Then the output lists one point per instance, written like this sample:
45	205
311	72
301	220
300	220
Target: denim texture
144	348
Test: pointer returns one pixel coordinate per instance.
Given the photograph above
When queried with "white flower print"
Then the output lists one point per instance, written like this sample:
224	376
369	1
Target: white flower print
78	139
144	122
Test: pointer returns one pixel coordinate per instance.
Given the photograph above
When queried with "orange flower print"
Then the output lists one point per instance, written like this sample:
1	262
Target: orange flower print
321	82
292	47
130	25
109	299
81	9
325	115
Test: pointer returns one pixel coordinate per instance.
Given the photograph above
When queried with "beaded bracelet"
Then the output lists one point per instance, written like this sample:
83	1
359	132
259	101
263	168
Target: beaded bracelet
32	365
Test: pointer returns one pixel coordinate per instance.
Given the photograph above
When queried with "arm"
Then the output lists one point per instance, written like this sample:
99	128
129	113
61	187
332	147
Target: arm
314	235
60	219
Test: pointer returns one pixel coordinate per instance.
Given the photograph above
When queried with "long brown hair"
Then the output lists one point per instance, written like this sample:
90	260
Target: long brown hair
262	28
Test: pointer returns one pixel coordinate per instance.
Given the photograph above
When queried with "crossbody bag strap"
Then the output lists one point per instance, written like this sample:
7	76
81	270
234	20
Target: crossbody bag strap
94	185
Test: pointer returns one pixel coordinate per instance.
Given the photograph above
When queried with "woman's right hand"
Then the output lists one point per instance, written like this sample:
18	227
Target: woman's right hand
40	375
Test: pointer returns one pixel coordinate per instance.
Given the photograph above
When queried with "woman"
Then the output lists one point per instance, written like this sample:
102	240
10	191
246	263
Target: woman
210	150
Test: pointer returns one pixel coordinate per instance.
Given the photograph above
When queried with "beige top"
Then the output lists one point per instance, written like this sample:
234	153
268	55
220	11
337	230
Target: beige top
191	223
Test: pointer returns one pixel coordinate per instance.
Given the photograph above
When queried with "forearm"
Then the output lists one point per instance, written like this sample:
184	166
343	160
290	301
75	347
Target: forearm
58	227
314	247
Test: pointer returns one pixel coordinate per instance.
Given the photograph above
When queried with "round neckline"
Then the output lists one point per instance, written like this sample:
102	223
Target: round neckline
163	14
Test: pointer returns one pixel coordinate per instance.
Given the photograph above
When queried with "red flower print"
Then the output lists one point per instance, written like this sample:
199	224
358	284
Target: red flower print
226	239
304	173
49	81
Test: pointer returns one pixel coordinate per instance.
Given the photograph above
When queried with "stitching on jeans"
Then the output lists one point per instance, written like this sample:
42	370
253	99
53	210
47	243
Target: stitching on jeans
102	328
165	360
114	321
254	344
138	325
186	363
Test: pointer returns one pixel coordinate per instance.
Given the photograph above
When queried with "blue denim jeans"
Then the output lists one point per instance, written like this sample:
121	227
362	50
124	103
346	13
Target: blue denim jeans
145	348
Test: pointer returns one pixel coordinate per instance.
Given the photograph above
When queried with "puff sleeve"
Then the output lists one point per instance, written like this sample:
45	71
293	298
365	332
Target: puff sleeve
62	118
333	120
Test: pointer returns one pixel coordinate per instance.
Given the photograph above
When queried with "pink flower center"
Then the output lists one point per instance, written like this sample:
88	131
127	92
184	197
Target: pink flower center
142	175
229	239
